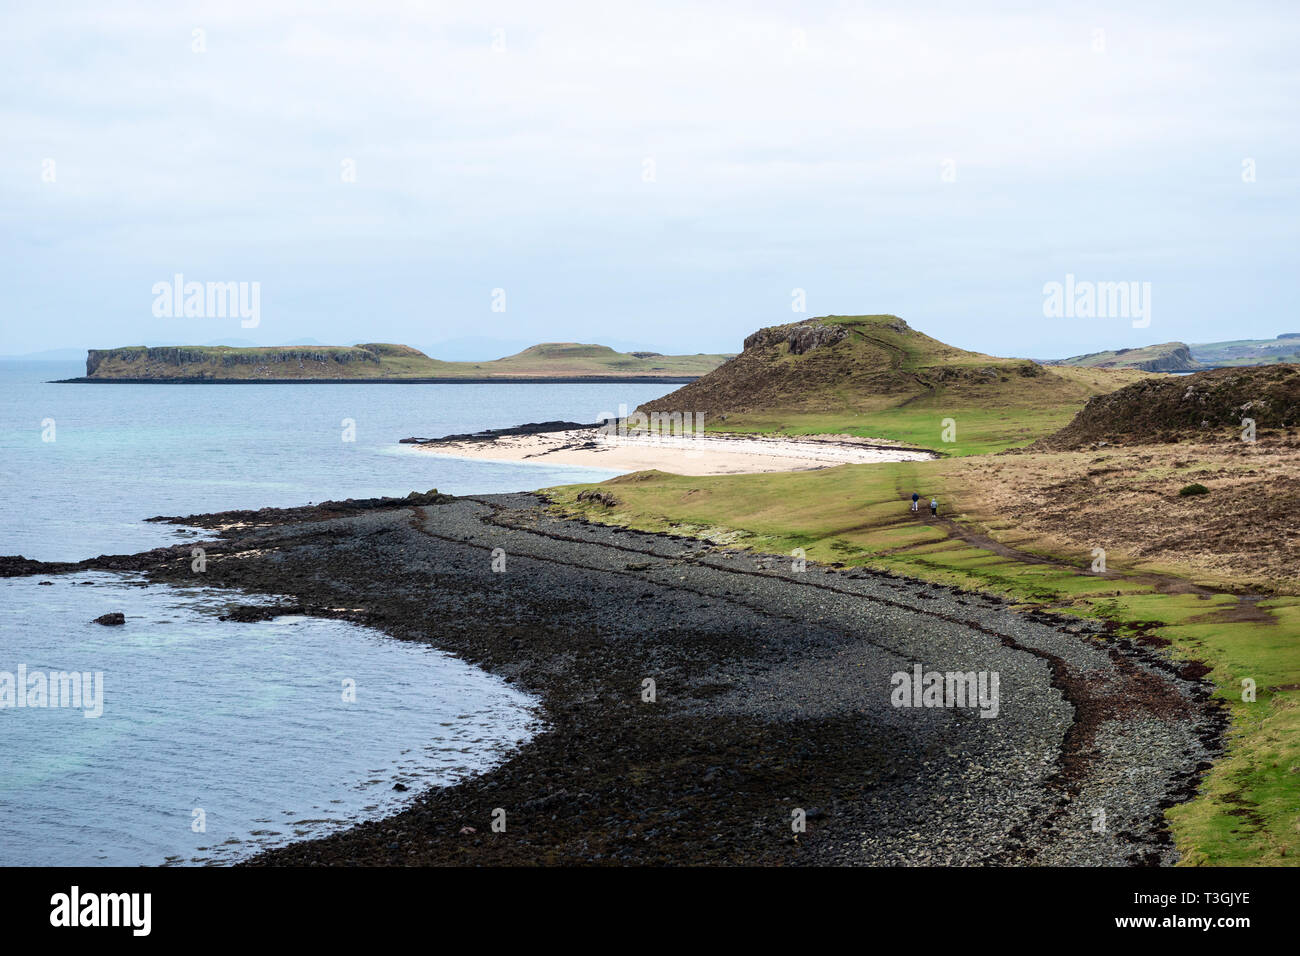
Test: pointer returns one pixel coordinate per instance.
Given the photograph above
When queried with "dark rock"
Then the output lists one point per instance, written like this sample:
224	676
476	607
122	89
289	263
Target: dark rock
800	336
491	434
112	619
1165	408
273	516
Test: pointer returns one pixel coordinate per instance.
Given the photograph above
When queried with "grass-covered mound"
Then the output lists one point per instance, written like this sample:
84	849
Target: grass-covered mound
875	376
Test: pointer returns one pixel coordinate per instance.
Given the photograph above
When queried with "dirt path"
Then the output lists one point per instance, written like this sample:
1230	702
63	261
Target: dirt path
1245	609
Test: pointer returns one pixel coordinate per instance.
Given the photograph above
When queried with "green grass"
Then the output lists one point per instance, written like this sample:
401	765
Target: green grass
922	424
1248	810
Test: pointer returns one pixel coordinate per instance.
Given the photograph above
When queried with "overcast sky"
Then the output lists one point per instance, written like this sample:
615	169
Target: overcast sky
661	175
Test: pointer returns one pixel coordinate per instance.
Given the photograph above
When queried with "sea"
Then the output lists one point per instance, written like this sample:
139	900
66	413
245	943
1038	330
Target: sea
195	741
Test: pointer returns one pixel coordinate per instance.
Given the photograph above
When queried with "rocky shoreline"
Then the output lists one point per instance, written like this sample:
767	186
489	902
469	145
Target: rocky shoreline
771	696
492	434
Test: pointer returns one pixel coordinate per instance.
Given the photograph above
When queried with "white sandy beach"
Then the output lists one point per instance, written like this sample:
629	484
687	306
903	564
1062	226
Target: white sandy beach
711	454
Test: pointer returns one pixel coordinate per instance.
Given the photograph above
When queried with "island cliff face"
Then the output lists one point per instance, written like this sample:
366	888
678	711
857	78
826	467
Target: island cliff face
158	362
1179	359
551	362
1173	357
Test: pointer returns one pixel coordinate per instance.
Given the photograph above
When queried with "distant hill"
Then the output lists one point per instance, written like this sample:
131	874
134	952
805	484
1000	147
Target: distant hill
874	375
1284	348
555	361
1166	357
1181	357
1205	405
475	348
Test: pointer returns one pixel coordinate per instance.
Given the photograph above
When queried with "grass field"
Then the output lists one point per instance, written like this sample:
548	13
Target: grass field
1248	811
928	422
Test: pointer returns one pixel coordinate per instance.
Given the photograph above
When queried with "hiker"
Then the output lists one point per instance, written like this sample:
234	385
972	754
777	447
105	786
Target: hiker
934	506
916	500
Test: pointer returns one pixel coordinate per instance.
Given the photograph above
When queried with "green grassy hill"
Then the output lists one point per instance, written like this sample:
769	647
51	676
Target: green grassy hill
874	376
1181	357
380	361
1284	348
1166	357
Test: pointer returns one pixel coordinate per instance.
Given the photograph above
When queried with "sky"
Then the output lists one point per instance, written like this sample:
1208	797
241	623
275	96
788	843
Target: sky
474	177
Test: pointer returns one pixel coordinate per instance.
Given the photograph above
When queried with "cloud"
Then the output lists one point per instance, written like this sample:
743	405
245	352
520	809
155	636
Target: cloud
506	145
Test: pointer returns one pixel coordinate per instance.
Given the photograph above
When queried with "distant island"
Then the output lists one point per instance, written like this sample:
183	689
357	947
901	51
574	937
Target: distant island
1181	357
379	362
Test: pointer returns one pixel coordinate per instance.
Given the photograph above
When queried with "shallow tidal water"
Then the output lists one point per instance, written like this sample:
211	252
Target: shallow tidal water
217	739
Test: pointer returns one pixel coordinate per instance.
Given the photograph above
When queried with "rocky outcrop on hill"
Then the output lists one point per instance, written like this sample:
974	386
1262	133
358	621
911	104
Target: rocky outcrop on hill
781	366
1176	359
831	363
801	337
1204	405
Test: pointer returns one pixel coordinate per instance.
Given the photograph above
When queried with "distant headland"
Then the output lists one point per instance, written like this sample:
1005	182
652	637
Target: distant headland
555	362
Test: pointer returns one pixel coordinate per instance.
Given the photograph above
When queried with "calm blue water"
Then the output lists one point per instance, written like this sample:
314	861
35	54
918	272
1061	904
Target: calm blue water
241	728
122	453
